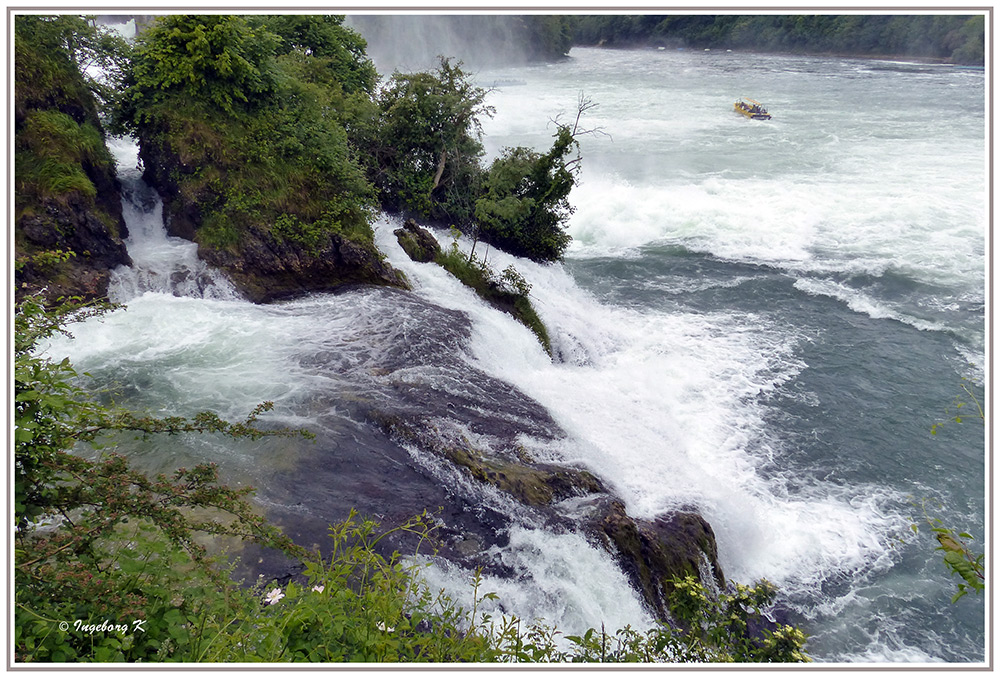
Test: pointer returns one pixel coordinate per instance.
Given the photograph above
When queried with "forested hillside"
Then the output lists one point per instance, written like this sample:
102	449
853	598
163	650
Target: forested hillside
959	39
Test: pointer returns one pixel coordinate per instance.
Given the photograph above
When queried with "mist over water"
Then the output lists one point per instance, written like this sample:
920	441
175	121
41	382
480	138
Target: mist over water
758	320
414	42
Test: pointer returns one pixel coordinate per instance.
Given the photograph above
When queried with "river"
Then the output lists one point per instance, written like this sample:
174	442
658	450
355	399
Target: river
759	319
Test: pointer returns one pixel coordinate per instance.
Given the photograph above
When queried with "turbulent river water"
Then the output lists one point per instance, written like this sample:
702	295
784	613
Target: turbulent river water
760	319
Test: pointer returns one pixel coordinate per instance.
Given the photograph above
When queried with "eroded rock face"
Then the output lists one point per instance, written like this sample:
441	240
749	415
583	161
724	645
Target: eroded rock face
266	269
92	232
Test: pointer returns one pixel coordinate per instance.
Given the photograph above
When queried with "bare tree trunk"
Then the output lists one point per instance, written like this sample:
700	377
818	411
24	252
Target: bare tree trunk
440	170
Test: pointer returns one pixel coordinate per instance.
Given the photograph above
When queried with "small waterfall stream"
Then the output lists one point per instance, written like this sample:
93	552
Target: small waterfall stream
161	263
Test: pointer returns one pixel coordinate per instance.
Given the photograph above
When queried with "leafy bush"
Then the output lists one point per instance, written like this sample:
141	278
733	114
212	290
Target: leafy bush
425	144
336	50
526	200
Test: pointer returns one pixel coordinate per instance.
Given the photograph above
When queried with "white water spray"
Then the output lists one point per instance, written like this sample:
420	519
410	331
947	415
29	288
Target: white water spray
161	263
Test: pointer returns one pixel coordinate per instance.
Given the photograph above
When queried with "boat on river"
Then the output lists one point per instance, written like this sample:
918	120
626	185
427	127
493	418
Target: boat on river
752	109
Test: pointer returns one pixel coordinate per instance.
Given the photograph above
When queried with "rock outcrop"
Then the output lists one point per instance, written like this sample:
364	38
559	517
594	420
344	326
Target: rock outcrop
266	269
653	552
262	265
417	242
650	552
90	235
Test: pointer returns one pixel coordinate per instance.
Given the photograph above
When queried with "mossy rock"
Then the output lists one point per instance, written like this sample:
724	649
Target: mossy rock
533	485
517	305
418	243
68	248
653	552
530	483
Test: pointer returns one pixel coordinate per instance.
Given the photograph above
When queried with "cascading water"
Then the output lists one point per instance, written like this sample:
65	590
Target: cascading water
160	263
760	320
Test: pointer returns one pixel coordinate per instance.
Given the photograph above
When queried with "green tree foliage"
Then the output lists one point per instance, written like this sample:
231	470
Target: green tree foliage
219	60
953	37
247	127
53	57
426	160
546	36
335	48
425	144
526	199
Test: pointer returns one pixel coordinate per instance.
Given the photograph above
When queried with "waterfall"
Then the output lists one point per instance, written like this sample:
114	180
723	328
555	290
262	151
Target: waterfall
161	263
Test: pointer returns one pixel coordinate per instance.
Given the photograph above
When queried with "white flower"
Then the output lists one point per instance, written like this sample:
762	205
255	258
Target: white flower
318	588
273	596
384	628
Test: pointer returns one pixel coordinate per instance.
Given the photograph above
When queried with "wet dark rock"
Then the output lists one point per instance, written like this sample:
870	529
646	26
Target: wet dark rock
417	242
653	552
93	232
266	269
531	483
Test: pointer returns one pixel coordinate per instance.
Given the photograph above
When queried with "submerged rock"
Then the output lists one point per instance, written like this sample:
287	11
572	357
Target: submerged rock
533	484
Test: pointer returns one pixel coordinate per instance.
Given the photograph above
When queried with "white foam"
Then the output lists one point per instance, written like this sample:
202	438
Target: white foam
562	580
160	263
666	409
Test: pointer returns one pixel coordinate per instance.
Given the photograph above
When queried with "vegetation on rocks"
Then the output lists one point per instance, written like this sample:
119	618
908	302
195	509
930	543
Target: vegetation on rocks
68	226
426	152
525	203
241	123
507	291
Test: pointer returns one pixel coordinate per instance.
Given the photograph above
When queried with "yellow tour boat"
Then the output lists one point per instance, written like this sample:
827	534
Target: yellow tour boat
752	109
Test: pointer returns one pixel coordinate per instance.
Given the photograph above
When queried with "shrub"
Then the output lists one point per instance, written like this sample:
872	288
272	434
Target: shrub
525	204
425	143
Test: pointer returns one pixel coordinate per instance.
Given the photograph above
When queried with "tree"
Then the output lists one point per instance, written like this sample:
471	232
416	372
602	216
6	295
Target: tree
426	143
54	61
219	60
525	203
324	37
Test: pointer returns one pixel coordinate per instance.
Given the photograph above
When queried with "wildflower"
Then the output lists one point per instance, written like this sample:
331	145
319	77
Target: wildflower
318	588
384	628
273	596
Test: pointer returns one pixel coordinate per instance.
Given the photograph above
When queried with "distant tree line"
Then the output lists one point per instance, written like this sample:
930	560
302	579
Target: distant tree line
955	38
